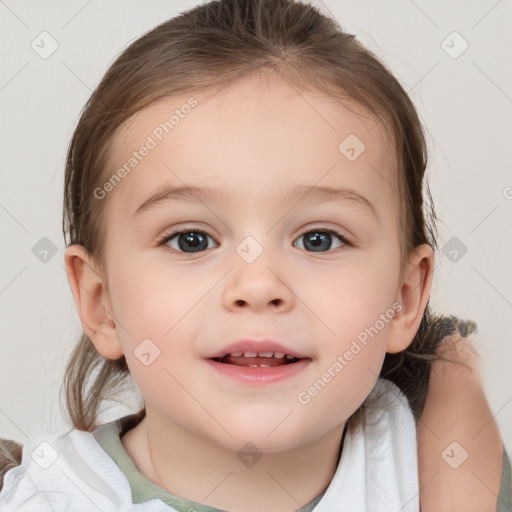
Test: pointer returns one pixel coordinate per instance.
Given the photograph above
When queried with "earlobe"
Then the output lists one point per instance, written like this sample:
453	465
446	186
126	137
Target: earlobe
92	301
413	297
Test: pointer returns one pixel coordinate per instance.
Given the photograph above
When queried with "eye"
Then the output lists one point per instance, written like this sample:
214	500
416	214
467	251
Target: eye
192	240
188	240
321	240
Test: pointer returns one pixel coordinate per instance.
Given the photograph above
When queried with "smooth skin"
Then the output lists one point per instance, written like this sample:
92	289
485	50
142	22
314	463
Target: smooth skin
253	141
456	411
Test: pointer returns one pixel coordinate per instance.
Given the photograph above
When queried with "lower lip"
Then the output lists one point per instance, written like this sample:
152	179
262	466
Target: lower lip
260	375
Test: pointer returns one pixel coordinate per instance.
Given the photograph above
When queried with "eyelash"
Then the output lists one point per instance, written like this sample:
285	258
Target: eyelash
167	237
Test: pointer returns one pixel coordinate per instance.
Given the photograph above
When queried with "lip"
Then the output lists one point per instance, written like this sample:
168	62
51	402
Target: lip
254	345
258	376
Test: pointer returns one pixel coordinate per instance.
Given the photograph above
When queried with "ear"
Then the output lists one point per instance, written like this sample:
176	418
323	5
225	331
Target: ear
413	297
92	301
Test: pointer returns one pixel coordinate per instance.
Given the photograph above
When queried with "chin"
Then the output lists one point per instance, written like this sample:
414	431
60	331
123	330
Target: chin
269	435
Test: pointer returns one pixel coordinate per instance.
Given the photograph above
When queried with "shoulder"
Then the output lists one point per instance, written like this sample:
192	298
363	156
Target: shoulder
387	423
378	466
391	445
387	405
69	469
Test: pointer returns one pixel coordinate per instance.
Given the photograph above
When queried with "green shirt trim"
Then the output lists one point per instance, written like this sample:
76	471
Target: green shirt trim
505	496
143	489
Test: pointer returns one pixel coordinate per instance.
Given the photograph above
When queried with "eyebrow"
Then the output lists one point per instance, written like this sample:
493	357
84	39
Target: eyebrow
295	194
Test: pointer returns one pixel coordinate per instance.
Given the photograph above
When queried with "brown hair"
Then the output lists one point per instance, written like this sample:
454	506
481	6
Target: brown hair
210	46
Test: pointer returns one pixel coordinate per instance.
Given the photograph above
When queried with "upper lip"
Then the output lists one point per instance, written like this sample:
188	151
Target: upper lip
254	345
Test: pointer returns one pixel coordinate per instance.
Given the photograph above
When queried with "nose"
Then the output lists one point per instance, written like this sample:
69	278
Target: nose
257	287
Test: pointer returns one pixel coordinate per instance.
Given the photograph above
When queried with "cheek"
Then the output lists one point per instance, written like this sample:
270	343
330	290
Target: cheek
347	371
350	298
355	308
150	301
158	314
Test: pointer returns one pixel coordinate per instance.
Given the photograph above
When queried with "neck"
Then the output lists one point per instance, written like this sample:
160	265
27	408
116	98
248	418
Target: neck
198	469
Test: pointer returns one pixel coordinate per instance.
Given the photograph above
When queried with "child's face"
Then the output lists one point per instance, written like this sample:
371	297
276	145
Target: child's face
255	275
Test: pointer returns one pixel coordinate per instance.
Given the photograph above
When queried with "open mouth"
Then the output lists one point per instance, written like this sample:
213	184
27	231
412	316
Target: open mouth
257	359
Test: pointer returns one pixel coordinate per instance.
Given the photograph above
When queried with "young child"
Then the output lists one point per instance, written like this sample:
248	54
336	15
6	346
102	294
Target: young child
248	241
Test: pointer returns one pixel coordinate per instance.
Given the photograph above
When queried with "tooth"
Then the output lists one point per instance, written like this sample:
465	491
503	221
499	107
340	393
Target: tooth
236	354
264	366
290	357
265	354
250	354
253	366
279	355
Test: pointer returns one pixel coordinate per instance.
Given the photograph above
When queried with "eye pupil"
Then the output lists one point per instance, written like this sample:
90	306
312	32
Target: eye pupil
319	240
316	240
190	240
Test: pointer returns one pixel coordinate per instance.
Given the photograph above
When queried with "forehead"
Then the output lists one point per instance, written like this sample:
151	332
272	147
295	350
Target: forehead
257	132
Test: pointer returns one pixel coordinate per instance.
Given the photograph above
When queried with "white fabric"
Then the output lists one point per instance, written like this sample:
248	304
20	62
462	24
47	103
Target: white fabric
377	471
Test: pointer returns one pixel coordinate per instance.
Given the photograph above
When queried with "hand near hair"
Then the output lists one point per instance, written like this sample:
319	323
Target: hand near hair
460	450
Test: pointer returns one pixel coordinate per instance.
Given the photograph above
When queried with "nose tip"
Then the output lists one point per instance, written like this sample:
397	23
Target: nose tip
257	287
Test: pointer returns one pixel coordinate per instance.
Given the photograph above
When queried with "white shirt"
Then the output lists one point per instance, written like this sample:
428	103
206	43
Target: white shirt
377	472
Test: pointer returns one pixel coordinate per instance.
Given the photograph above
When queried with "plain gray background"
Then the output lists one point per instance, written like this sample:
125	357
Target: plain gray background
464	99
